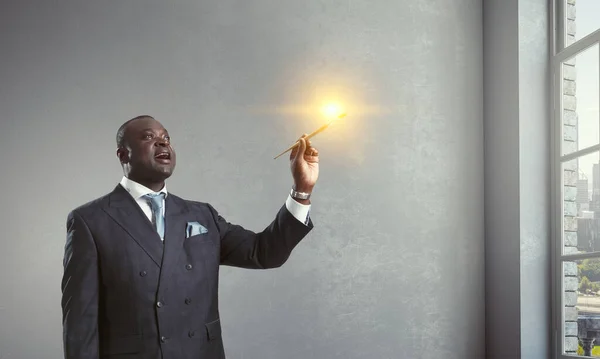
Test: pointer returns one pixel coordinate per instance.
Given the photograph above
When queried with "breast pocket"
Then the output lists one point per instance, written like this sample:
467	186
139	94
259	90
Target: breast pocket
205	249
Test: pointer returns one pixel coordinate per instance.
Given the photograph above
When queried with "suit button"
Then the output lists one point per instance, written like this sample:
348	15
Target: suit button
191	333
159	304
188	300
143	273
188	266
163	339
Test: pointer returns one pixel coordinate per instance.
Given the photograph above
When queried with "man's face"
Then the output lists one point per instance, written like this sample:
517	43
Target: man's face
148	155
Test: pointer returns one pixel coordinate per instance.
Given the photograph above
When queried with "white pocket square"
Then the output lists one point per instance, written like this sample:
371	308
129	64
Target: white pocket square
194	228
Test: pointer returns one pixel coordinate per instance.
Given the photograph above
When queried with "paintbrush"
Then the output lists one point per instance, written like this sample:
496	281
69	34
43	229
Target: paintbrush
320	129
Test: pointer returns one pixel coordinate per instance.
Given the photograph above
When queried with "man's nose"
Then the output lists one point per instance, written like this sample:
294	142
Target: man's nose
162	142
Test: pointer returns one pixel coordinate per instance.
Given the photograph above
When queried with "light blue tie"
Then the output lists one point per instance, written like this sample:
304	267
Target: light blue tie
156	201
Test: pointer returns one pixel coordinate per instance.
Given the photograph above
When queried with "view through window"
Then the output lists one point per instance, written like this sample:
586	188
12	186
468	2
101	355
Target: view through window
576	74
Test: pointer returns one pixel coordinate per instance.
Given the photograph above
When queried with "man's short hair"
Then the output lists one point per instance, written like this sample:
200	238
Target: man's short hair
121	130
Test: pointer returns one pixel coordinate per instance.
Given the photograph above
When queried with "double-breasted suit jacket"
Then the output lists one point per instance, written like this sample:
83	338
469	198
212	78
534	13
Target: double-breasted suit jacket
128	294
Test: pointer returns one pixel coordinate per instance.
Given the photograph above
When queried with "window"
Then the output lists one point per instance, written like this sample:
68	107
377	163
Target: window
575	71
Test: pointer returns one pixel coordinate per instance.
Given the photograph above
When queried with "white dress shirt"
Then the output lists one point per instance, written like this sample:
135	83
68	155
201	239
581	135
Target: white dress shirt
137	191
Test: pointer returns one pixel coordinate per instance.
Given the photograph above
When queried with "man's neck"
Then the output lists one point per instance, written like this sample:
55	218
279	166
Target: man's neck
154	186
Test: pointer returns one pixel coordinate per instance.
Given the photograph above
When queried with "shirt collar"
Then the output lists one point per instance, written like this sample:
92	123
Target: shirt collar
137	190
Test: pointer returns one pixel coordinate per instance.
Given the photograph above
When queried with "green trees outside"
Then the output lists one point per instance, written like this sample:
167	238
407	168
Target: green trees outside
589	272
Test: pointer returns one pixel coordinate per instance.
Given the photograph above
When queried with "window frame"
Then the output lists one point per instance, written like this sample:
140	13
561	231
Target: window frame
559	52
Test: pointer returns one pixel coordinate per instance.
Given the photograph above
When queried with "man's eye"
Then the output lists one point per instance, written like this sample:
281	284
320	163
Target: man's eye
148	136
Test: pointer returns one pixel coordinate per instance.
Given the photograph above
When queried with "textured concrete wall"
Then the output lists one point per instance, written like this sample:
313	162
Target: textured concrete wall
534	182
394	267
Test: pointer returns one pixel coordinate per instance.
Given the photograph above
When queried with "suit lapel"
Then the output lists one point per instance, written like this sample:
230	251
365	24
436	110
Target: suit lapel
127	213
176	213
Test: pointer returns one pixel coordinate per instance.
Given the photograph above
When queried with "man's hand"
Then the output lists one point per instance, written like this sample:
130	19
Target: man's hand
304	163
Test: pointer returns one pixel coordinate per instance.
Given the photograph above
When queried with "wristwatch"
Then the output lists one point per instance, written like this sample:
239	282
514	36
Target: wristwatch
299	195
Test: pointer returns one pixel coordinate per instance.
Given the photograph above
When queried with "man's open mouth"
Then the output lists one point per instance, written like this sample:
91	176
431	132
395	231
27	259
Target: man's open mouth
163	156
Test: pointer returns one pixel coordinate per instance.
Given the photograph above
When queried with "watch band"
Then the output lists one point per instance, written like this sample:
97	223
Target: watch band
299	195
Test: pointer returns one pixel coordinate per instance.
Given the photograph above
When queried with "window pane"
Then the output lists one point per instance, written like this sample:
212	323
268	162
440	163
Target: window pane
581	204
581	284
580	101
582	18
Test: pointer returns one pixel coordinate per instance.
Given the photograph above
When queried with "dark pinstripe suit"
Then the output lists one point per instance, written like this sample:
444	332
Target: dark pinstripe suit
128	295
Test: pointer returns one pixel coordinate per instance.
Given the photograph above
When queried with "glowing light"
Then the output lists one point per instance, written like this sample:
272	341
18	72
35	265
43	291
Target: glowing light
332	110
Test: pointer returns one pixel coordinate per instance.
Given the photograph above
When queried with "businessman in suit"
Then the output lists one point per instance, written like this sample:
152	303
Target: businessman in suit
141	265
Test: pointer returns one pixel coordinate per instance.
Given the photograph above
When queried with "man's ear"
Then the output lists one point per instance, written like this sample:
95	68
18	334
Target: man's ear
123	155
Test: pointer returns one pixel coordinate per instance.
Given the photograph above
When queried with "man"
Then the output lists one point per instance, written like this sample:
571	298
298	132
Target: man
141	265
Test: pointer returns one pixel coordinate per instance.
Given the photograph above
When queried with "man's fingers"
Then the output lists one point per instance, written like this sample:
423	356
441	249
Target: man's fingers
299	148
312	155
302	147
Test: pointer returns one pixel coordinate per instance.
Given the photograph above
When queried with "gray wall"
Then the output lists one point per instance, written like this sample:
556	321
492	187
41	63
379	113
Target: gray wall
517	187
502	216
394	267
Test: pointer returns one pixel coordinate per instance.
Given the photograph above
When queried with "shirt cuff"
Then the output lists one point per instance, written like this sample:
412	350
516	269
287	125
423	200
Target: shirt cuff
298	210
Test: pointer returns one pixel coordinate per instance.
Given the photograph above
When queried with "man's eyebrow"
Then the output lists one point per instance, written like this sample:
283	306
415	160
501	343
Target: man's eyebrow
145	130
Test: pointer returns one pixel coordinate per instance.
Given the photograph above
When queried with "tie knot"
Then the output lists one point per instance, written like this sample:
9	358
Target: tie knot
156	199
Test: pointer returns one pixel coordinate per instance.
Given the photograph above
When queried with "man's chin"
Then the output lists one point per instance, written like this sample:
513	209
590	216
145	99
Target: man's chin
167	173
164	172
